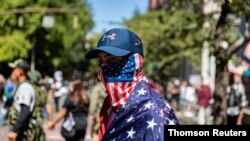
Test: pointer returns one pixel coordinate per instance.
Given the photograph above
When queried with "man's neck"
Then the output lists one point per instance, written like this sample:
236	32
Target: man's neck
22	78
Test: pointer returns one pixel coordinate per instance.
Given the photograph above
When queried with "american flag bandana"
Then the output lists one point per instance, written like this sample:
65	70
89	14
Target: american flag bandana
121	77
139	112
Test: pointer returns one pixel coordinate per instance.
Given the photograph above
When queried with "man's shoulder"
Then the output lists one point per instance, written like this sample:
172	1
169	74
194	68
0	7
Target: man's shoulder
98	88
26	86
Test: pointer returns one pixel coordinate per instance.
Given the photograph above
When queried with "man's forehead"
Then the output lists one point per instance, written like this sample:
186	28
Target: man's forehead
16	69
103	54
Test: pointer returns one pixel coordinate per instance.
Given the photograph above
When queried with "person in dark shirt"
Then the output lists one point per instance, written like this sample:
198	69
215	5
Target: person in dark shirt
74	112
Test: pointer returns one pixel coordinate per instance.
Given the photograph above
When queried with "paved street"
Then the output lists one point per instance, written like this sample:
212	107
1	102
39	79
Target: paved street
185	120
54	135
51	135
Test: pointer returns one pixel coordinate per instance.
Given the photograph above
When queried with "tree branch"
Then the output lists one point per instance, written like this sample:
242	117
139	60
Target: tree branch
224	12
218	29
38	10
236	45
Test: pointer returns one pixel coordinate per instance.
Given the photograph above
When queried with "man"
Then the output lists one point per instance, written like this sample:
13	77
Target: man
59	90
204	96
2	83
42	105
236	99
133	108
23	105
97	96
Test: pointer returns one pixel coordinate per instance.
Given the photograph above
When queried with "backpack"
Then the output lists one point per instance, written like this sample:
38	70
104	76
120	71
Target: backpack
41	95
37	114
41	100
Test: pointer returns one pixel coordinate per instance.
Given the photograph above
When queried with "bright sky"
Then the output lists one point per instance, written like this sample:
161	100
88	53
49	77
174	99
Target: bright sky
106	11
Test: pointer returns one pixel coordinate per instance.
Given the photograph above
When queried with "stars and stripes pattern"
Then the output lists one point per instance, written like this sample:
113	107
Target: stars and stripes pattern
142	117
133	109
121	77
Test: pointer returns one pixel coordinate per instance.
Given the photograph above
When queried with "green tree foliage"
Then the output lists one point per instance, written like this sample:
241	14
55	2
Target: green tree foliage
13	45
182	27
167	35
91	65
59	47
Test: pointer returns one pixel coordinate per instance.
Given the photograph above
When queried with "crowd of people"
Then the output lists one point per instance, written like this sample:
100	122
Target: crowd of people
191	100
28	100
195	100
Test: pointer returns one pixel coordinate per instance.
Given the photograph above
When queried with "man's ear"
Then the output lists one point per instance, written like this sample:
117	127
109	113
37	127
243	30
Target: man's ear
21	72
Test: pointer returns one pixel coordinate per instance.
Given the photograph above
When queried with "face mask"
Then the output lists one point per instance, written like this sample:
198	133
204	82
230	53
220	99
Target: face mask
122	71
119	78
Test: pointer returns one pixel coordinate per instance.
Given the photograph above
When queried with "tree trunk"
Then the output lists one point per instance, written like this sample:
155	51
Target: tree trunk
220	102
222	75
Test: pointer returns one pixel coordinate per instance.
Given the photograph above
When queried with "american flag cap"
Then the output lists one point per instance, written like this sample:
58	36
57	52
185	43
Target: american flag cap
117	42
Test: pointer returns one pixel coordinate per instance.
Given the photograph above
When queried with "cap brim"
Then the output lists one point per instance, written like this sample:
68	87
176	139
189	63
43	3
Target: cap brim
108	49
12	65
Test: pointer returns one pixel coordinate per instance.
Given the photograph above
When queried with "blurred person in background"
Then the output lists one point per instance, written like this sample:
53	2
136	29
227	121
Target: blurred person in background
97	96
236	99
183	91
190	97
74	111
47	82
204	95
2	83
48	110
9	94
59	89
175	92
244	116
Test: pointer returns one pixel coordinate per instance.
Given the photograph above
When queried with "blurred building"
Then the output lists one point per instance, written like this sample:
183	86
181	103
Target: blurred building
156	4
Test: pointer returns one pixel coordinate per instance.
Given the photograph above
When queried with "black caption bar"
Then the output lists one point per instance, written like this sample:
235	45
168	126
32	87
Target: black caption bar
195	132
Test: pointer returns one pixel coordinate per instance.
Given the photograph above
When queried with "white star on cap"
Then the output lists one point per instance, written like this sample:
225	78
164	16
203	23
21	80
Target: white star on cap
138	42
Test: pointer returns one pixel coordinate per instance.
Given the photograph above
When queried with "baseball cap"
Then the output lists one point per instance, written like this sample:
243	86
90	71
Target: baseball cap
117	42
20	63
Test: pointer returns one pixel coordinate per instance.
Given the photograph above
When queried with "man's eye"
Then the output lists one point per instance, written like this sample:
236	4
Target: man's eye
111	59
